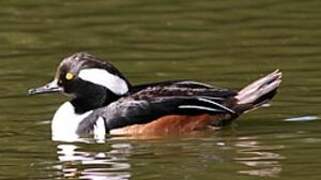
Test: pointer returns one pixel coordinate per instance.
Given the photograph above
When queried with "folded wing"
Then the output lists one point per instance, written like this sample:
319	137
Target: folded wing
149	102
126	113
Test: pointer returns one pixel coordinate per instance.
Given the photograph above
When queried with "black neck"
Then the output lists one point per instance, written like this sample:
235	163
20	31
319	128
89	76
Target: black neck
92	97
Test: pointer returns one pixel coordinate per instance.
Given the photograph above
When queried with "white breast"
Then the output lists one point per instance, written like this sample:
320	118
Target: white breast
65	123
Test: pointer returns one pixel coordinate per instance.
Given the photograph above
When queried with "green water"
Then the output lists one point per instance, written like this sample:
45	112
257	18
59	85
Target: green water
226	43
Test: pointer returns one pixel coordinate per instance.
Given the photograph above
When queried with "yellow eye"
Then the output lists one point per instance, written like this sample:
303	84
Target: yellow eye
69	76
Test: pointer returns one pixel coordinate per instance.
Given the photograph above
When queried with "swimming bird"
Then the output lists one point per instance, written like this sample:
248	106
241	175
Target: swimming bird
104	101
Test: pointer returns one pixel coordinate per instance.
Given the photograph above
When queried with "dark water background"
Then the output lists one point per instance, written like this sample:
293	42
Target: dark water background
227	43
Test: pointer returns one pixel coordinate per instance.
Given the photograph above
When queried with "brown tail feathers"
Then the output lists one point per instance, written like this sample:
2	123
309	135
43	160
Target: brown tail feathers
258	93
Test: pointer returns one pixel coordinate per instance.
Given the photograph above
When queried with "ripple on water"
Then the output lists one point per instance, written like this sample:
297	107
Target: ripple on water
262	159
302	118
79	163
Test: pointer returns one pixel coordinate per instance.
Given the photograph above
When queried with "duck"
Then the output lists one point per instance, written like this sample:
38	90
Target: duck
103	101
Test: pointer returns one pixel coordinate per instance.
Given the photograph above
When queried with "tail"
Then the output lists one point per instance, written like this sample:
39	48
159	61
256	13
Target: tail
258	93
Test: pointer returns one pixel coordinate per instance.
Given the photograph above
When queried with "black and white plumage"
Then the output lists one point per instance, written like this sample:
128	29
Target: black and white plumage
157	100
104	100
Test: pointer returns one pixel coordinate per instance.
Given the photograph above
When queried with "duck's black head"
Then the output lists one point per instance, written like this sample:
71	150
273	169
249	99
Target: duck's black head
91	82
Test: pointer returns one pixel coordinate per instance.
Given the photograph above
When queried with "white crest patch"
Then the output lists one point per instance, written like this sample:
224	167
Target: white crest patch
103	78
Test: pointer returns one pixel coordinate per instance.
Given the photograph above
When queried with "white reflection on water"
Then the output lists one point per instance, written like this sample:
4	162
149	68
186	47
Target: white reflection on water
75	162
263	160
302	118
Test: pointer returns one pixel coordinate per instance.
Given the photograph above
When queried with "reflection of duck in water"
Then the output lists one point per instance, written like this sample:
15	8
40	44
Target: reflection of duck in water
104	101
262	160
119	159
76	162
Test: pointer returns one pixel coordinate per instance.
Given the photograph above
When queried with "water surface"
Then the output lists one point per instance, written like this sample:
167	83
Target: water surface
226	43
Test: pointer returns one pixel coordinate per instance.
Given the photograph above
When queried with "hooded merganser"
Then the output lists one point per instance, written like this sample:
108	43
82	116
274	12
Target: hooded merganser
103	101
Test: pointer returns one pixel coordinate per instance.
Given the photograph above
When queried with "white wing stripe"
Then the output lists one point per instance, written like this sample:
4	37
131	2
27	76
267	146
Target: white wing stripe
217	104
196	83
214	98
198	107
